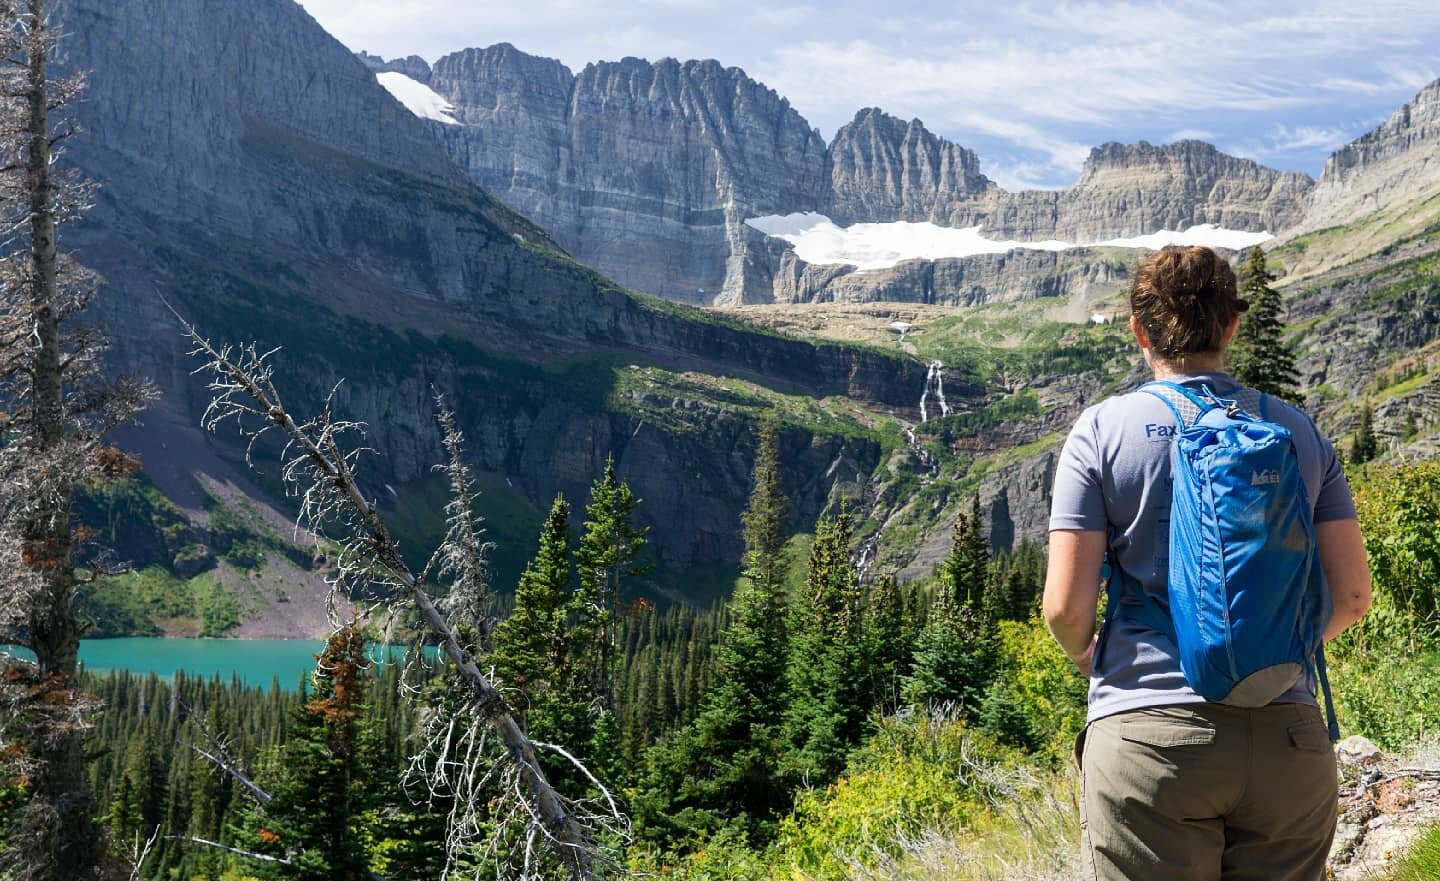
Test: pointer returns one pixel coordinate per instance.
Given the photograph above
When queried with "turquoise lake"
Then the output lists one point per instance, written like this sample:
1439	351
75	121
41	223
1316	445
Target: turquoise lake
254	661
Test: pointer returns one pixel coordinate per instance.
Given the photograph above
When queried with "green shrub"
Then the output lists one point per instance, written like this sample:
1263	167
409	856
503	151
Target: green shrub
1387	693
219	608
916	775
1038	699
1399	509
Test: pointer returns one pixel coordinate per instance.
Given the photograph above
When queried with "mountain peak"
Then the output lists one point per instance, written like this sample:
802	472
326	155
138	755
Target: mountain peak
413	66
1415	124
883	167
1391	165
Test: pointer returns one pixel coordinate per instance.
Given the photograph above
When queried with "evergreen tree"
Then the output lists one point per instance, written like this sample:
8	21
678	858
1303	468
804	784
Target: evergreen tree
955	655
953	662
1259	356
1016	583
1364	446
965	572
825	674
125	821
532	645
726	764
608	550
319	798
888	651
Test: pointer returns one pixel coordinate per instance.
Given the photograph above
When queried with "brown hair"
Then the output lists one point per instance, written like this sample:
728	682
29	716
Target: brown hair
1185	298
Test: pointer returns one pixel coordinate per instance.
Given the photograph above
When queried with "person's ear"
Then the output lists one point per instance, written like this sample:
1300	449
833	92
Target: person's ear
1139	332
1230	331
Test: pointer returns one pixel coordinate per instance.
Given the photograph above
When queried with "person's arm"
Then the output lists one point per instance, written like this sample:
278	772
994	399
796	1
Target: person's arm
1347	568
1072	591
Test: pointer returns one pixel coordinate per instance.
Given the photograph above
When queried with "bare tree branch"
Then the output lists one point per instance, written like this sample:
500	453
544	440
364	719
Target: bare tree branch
318	466
248	854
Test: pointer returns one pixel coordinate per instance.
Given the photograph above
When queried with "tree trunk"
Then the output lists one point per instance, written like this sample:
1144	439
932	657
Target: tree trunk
58	839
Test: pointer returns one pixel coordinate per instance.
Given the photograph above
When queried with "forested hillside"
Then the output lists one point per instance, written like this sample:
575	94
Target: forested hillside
816	724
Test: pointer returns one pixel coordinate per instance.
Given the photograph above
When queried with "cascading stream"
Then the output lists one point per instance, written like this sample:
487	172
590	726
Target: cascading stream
934	377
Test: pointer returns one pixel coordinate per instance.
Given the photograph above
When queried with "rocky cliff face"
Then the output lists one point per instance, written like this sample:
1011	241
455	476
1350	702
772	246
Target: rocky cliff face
1127	190
648	171
1018	275
1397	163
645	171
883	169
256	176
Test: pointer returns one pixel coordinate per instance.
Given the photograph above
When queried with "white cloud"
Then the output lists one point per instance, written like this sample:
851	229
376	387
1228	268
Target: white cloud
781	17
1281	141
1305	137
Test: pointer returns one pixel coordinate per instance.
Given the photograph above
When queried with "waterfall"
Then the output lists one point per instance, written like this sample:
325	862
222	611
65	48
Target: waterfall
934	377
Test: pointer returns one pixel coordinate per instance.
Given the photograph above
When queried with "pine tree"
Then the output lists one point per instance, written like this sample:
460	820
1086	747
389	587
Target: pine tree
953	664
316	814
1017	581
1259	356
606	557
955	654
539	651
532	645
125	821
1364	446
965	572
825	673
888	652
726	764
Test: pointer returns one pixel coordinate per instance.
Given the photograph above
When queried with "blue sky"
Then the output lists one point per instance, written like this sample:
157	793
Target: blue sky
1030	87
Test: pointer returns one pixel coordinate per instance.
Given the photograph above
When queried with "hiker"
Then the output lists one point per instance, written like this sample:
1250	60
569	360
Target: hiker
1178	787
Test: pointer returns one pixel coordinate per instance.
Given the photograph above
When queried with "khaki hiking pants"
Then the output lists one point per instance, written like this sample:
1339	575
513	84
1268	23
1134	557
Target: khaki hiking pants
1207	792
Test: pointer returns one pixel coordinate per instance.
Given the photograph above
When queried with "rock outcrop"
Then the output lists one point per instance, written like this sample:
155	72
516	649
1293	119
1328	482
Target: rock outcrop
1124	189
413	66
1128	190
1385	807
1021	274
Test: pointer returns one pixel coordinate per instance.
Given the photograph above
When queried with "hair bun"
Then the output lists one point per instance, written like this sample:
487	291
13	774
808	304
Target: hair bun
1185	272
1185	298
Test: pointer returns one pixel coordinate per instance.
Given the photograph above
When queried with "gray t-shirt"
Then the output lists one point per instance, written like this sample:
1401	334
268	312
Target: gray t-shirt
1114	475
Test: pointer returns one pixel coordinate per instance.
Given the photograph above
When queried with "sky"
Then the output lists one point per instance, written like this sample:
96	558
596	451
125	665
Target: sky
1030	87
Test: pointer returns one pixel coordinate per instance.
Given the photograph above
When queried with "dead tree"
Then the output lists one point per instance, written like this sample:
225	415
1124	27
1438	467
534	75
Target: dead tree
318	466
55	408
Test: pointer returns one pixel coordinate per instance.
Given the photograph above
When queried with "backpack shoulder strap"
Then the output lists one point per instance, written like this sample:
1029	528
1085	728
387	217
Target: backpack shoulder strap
1253	402
1187	406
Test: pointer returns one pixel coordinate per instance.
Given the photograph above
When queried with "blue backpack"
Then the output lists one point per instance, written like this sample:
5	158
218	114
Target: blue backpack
1248	600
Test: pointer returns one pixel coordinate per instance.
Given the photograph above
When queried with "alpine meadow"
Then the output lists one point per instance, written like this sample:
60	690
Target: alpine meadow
649	485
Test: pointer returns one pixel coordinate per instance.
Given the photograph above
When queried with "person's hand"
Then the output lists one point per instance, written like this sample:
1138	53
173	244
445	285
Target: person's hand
1087	658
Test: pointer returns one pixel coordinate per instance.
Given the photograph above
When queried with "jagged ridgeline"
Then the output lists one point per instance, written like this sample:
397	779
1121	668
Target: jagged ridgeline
703	149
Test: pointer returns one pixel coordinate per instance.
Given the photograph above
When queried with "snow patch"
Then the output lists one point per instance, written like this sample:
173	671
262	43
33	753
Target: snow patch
1207	234
417	97
817	240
